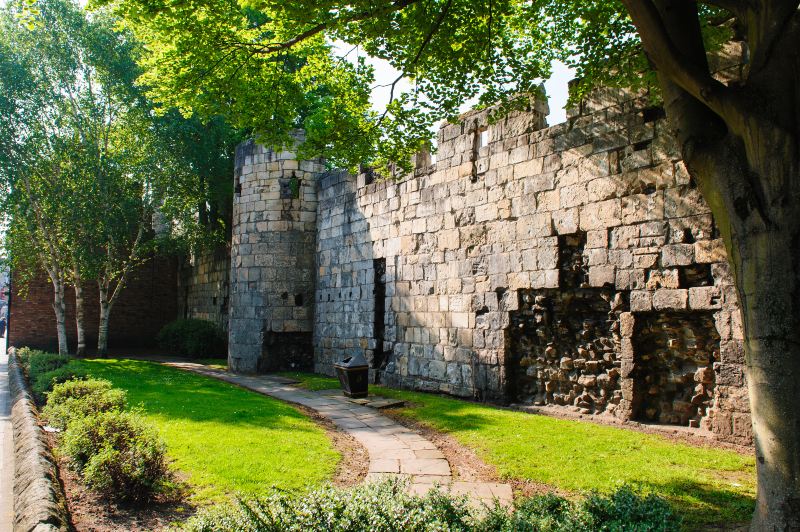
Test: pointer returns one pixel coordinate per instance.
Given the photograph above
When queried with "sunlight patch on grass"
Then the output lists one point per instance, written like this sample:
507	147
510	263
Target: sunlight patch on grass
224	438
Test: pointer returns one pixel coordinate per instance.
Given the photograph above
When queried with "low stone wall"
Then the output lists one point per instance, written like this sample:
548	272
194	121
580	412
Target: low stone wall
39	503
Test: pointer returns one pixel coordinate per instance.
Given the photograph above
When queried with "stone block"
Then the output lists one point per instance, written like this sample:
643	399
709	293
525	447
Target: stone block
707	251
626	324
566	221
704	298
677	255
670	299
729	374
600	276
641	301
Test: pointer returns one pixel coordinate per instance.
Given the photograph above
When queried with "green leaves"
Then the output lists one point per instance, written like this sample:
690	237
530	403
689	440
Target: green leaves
84	162
266	65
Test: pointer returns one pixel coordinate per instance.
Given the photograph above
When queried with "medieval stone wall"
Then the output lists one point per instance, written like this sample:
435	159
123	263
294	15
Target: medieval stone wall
203	286
576	266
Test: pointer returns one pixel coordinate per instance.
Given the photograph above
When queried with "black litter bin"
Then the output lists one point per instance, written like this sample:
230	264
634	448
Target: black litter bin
353	373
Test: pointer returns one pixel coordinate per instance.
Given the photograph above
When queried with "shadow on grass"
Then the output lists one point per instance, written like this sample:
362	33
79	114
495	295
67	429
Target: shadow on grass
702	505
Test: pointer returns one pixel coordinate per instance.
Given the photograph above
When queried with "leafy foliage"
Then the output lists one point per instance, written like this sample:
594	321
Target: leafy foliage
387	506
39	362
76	399
117	454
269	65
44	382
192	337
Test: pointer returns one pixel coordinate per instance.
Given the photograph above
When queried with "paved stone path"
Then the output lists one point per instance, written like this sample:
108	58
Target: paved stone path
6	446
394	450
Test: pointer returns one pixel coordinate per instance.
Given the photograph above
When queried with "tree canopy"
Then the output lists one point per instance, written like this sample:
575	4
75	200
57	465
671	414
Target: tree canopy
269	66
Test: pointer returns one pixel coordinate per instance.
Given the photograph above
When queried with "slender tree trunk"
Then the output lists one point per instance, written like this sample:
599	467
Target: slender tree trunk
79	315
60	309
105	313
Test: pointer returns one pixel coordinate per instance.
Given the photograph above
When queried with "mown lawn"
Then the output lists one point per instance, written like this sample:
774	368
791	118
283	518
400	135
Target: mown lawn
224	439
706	485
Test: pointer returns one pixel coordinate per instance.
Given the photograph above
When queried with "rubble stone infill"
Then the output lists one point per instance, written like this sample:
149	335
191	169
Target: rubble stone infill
394	450
38	500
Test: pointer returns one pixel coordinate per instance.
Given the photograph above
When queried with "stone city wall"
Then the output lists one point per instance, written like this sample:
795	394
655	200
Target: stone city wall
576	266
203	286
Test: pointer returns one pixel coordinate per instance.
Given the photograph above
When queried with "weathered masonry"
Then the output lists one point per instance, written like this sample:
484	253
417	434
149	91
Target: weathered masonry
575	266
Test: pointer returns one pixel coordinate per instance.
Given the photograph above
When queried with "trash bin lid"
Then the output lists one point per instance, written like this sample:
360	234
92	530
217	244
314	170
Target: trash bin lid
354	361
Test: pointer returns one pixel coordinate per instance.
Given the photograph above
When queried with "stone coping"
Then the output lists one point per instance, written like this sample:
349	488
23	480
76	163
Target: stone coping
39	502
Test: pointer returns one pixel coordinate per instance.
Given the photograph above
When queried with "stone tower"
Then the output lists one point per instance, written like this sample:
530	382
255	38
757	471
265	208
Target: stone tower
273	260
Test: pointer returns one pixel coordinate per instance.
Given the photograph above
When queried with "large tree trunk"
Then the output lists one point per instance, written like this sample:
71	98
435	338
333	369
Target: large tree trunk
61	314
742	145
767	282
80	317
105	313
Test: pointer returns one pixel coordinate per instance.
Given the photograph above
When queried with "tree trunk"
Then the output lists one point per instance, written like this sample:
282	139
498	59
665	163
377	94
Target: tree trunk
767	282
60	309
80	317
105	313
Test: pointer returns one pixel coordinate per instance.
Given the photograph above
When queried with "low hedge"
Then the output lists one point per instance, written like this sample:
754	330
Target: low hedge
192	338
387	506
44	382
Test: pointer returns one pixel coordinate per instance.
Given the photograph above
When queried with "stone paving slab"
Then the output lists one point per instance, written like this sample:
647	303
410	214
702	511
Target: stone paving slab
394	450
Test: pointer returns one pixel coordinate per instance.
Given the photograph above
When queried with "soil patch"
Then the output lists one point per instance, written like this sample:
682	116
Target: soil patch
90	512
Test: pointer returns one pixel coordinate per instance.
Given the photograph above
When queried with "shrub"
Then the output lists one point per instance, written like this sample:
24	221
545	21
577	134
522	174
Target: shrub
386	506
24	355
40	362
79	398
193	338
117	453
622	510
44	382
372	507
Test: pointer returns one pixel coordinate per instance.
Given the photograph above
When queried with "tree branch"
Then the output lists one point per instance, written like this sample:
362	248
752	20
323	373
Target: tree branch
436	25
670	62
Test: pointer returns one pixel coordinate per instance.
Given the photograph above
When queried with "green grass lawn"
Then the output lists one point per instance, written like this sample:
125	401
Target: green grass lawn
223	438
706	485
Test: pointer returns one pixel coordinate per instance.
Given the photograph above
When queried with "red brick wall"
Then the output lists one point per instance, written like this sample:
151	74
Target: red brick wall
148	301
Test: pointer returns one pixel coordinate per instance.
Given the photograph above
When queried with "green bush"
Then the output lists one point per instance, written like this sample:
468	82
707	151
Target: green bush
79	398
117	454
24	355
44	382
621	510
387	507
381	506
192	338
40	362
